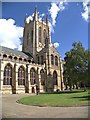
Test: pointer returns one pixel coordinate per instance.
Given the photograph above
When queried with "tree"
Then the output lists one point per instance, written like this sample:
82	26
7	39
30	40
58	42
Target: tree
76	65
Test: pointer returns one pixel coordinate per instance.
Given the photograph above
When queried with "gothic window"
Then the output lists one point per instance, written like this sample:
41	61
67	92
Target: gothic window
42	77
39	34
20	59
10	57
31	35
56	60
32	76
38	60
27	38
21	76
25	60
4	56
15	58
52	59
55	78
7	75
44	34
41	59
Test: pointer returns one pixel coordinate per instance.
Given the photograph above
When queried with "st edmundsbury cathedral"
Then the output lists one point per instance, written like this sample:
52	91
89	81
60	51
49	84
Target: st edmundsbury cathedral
38	65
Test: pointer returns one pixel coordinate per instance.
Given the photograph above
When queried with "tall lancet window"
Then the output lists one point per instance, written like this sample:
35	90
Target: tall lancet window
33	76
55	78
44	35
41	59
31	35
52	59
28	37
7	75
42	77
21	76
56	60
39	34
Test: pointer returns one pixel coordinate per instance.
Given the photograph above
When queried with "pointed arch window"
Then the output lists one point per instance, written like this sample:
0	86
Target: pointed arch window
52	59
32	76
27	38
7	75
56	60
55	80
31	35
42	77
38	60
44	35
39	34
42	60
21	76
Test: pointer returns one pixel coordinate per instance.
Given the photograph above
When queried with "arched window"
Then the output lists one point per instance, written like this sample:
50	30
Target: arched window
31	35
27	37
39	34
20	59
4	56
38	60
52	59
15	58
7	75
41	59
56	60
44	35
32	76
42	77
25	60
21	76
10	57
55	78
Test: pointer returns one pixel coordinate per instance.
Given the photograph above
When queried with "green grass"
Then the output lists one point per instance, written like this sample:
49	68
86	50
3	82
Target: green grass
73	98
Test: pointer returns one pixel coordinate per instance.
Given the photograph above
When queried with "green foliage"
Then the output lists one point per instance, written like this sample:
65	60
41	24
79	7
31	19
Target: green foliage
76	65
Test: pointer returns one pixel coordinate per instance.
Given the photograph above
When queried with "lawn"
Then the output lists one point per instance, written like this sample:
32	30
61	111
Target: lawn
66	98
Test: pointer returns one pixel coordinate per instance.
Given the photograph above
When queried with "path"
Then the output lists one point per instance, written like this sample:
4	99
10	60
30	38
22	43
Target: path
11	109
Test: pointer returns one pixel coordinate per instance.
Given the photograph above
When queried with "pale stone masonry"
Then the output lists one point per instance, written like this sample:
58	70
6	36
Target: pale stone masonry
39	65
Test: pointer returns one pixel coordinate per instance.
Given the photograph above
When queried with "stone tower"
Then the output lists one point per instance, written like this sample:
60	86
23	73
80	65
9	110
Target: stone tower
36	40
34	35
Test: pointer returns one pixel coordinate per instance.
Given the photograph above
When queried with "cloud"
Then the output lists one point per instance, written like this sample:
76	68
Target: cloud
10	34
29	18
56	44
54	10
41	16
86	13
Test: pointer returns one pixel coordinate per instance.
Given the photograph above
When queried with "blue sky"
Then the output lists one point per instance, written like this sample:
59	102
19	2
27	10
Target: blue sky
69	24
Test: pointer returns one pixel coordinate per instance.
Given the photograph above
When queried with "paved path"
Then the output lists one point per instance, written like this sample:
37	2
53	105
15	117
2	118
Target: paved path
11	109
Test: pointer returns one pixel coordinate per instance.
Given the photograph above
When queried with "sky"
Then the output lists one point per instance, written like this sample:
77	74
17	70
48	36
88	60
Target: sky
68	23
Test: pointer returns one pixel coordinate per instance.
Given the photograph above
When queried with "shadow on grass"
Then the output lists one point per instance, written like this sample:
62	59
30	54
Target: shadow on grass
65	92
83	97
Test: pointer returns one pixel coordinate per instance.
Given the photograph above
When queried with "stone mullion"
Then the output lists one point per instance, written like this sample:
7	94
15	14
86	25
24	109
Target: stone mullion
29	83
59	82
2	76
16	78
39	79
62	82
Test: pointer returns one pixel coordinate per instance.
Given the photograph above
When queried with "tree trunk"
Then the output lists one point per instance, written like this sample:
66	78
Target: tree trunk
84	87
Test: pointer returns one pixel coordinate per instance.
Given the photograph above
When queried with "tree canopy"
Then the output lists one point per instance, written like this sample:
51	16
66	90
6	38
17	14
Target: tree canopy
77	67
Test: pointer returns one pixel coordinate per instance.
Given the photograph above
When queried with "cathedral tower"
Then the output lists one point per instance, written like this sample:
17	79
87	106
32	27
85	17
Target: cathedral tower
34	35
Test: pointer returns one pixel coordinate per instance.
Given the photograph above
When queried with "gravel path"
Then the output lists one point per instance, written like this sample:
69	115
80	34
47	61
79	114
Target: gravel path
11	109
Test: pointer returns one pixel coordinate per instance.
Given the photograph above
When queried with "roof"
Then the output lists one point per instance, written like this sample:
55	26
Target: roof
14	52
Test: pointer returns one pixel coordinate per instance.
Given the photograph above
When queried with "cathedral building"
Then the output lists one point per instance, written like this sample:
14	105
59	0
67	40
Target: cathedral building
38	65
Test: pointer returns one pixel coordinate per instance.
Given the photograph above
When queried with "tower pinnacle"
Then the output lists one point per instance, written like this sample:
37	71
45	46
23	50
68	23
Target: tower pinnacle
35	14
